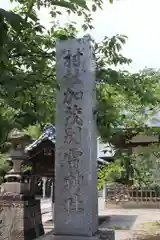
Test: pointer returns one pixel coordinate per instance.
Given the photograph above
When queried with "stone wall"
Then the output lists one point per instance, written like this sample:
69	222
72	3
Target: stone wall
20	219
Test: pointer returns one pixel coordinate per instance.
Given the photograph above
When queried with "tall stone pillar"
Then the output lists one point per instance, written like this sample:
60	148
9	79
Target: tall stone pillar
76	208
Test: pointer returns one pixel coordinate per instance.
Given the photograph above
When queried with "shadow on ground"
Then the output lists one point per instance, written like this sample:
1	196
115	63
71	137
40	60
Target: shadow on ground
118	222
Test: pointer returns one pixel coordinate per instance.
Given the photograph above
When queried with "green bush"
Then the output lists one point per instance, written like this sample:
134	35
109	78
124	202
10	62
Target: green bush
110	173
4	166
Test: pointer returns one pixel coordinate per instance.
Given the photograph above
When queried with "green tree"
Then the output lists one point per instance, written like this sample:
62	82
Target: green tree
27	72
110	173
27	63
146	164
34	131
4	165
27	58
139	168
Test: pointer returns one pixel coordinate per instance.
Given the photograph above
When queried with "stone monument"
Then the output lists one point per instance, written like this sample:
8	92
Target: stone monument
76	198
76	195
20	212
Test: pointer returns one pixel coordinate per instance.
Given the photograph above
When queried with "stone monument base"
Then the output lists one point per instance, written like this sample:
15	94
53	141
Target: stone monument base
20	217
105	234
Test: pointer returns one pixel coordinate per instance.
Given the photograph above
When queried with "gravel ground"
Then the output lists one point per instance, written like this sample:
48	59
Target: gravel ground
129	224
134	224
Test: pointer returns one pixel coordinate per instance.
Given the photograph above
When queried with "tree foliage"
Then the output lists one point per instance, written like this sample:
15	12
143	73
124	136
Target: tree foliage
4	165
146	166
27	71
27	61
139	168
110	173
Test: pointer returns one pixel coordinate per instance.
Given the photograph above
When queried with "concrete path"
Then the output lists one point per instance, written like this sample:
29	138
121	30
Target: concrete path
46	210
129	220
126	220
46	205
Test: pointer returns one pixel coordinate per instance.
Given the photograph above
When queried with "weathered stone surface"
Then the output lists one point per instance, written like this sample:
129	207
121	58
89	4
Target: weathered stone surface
20	220
101	235
16	187
76	201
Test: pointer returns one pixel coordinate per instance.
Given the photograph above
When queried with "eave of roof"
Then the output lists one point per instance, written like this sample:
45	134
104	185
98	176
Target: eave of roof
48	134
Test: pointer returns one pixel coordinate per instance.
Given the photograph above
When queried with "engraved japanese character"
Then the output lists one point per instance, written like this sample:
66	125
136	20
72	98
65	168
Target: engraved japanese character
70	94
76	59
73	203
73	116
73	181
67	59
72	64
72	135
73	157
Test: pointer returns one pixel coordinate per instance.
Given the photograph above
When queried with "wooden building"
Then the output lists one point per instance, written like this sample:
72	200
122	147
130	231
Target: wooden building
41	157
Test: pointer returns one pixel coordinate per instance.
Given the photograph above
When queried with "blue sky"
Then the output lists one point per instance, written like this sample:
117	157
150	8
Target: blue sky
138	19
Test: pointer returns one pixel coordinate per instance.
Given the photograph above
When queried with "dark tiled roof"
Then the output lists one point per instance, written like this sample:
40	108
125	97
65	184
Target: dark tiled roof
48	134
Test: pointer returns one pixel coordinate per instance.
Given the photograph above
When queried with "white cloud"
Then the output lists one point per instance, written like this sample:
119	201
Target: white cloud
138	19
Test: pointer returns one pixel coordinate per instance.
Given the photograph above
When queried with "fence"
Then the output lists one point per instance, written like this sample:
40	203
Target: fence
126	195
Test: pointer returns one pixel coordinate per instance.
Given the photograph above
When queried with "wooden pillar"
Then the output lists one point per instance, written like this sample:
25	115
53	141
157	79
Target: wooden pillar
44	179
